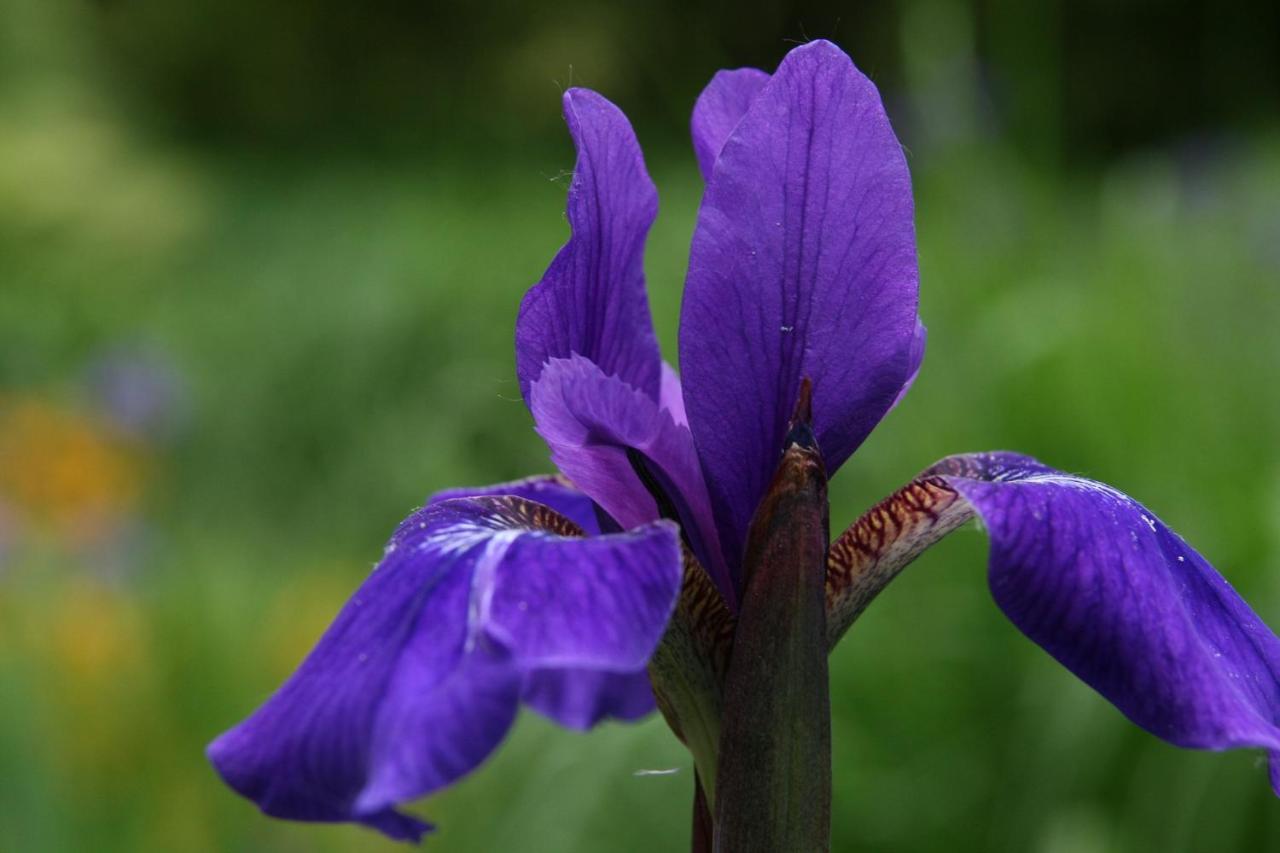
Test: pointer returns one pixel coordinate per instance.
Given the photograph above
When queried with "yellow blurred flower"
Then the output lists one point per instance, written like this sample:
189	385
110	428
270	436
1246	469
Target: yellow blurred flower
89	645
61	472
97	634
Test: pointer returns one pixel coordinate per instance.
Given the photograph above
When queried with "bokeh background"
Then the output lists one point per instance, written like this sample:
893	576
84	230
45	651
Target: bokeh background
259	267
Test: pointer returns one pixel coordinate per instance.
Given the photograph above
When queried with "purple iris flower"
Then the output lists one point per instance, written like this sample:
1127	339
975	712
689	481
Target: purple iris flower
643	570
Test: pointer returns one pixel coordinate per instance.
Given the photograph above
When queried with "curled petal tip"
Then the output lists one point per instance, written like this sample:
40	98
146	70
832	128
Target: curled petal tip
591	300
819	47
719	109
575	95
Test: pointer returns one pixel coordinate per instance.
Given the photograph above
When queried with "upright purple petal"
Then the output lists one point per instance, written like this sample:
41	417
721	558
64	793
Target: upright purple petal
1104	586
420	676
719	109
591	301
547	489
915	360
803	265
590	421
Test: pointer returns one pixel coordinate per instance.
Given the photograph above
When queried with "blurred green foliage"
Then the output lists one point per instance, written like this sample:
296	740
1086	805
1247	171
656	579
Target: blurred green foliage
335	320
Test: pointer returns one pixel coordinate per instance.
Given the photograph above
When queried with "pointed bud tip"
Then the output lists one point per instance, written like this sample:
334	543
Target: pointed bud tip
800	430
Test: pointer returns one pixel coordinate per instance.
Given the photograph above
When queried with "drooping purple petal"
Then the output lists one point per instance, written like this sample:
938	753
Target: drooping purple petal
803	265
440	717
591	301
581	698
420	676
602	606
548	489
718	110
1117	597
575	698
590	420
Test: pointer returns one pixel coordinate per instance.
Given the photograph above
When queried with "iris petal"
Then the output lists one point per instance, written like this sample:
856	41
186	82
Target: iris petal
1117	597
914	361
671	398
591	300
576	698
590	421
1099	582
718	110
547	489
420	676
803	265
581	698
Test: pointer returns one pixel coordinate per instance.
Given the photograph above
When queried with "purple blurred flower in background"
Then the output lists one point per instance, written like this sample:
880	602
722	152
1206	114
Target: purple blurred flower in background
139	389
658	545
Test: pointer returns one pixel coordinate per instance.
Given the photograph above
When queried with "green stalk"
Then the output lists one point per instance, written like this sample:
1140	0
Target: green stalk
773	791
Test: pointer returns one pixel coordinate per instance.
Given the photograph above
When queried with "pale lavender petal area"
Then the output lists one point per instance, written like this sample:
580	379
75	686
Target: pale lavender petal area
1118	598
803	264
420	676
718	110
590	421
671	396
591	301
548	489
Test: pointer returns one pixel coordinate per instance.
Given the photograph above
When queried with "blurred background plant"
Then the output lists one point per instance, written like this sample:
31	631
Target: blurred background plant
259	267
